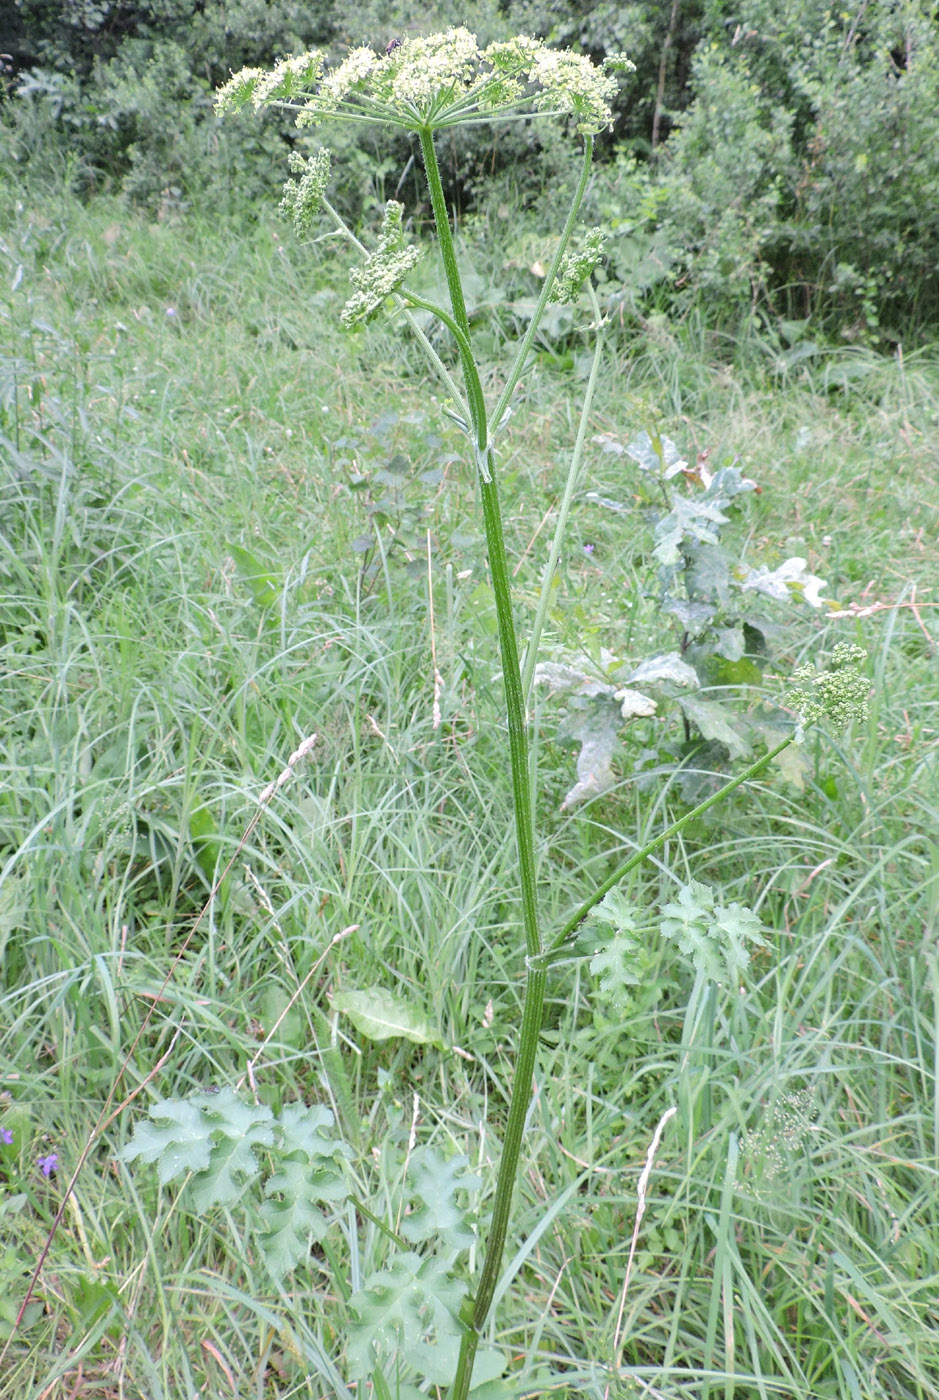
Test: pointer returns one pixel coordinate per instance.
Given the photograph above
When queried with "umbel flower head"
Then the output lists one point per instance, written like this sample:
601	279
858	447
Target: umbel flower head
435	81
834	696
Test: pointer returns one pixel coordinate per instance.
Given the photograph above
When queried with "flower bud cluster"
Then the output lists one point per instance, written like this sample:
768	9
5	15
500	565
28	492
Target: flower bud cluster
382	271
834	696
303	198
577	265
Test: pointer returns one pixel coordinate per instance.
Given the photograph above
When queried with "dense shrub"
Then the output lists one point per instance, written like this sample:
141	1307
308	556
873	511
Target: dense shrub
778	160
804	176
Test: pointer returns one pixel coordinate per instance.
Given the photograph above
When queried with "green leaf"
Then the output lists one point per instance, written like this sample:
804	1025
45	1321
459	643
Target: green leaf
716	722
380	1015
434	1181
261	583
407	1314
657	455
203	832
690	518
713	936
292	1221
594	725
183	1144
619	960
241	1127
667	669
311	1175
790	578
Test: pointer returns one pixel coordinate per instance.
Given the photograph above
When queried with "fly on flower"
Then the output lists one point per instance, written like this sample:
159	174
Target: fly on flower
391	45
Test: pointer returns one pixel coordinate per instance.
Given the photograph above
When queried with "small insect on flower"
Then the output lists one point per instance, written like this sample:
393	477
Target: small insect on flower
391	45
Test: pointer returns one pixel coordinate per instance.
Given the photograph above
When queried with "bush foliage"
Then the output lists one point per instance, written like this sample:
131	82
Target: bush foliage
777	161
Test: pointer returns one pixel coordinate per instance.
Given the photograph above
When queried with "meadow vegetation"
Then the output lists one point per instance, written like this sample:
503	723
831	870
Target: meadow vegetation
226	525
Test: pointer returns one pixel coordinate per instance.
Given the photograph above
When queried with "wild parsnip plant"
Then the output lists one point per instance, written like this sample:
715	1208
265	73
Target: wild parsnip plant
415	1316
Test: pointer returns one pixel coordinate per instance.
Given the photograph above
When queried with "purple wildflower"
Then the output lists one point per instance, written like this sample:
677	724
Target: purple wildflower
48	1165
6	1136
588	548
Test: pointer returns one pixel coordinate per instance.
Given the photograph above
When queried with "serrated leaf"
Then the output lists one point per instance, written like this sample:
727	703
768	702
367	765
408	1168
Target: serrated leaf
618	959
293	1221
713	936
380	1015
407	1313
617	967
305	1128
235	1117
434	1181
614	908
717	723
183	1144
310	1177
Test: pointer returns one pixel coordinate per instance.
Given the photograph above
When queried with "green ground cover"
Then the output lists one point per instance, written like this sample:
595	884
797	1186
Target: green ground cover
223	523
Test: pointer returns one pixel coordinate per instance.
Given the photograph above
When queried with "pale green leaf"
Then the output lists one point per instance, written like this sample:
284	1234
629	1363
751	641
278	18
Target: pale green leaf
595	727
713	936
658	456
620	956
790	578
381	1015
434	1182
292	1221
666	669
407	1315
182	1144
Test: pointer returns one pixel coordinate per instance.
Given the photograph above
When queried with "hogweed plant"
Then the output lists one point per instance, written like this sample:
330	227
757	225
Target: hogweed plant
415	1316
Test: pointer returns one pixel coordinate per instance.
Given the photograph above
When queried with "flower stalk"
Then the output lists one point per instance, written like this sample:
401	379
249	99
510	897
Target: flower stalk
422	85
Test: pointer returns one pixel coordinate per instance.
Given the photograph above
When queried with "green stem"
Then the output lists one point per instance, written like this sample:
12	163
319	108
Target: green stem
536	980
639	856
442	222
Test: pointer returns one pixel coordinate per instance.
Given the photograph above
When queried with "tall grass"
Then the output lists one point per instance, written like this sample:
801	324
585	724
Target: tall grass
220	523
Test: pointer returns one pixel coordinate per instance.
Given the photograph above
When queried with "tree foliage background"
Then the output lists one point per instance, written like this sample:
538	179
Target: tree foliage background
774	159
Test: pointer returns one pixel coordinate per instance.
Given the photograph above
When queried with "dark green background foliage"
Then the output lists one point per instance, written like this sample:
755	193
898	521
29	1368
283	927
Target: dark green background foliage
770	160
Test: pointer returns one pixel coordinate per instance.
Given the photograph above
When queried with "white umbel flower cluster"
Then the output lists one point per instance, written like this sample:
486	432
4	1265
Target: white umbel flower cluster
435	81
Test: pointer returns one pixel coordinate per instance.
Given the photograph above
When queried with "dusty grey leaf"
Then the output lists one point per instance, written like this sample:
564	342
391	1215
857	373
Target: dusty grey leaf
667	669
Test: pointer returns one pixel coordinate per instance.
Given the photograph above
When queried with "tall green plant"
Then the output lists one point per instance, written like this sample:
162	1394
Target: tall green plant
423	86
